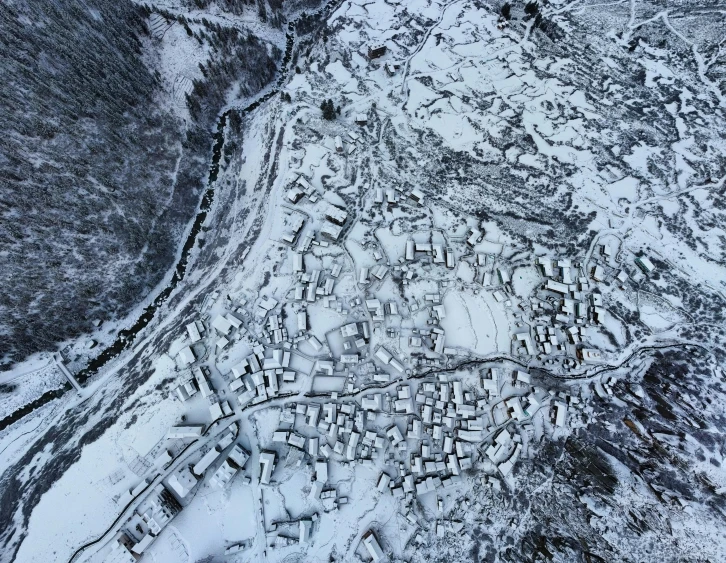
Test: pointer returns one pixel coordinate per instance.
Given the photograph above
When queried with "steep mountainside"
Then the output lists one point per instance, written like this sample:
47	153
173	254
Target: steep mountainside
91	198
100	174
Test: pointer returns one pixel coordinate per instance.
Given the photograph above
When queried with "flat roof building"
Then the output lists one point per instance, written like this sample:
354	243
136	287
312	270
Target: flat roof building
376	50
557	287
302	321
297	262
450	258
208	459
221	324
409	250
182	482
193	331
644	264
560	413
546	265
181	432
267	463
373	547
186	355
305	530
383	482
331	230
336	214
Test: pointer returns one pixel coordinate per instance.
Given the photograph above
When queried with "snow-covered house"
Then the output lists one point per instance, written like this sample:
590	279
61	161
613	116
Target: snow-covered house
182	482
186	356
267	463
417	196
194	333
376	50
644	264
373	547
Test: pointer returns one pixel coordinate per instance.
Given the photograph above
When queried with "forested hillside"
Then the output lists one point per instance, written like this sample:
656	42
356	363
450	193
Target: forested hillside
97	177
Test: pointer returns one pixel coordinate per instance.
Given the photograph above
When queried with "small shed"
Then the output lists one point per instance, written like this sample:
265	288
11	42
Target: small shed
376	50
186	356
372	546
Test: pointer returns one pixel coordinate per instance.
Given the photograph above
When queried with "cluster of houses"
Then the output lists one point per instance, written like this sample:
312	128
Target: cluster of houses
562	317
437	430
578	306
449	426
436	426
436	251
222	460
255	378
152	515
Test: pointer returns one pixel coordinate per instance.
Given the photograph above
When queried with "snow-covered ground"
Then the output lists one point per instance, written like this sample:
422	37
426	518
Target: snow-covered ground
520	159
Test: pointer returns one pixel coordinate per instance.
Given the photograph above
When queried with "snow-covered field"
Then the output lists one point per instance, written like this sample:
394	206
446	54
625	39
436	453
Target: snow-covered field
400	254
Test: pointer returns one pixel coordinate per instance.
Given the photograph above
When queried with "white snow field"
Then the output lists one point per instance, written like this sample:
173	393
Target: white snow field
408	314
